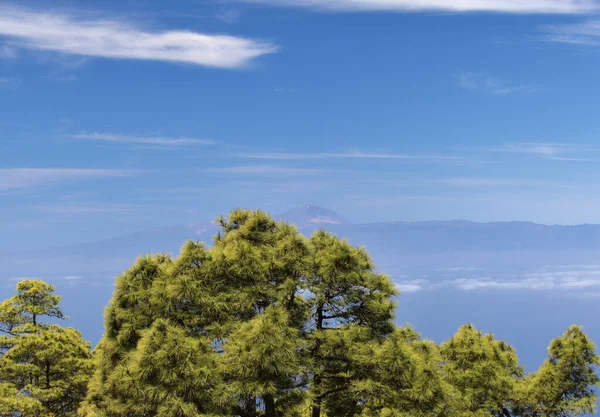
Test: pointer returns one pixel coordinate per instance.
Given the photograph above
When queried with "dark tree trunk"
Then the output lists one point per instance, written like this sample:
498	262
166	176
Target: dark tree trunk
316	410
316	406
269	406
249	408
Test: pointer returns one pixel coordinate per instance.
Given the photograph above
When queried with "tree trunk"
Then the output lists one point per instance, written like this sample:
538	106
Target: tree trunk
316	409
269	406
249	407
47	376
316	406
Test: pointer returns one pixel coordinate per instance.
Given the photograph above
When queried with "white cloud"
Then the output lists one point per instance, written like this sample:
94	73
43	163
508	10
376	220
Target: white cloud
229	16
145	140
9	83
6	52
584	33
87	208
19	279
539	283
496	182
409	286
502	6
72	278
551	151
346	155
74	35
481	83
284	90
267	170
18	178
581	279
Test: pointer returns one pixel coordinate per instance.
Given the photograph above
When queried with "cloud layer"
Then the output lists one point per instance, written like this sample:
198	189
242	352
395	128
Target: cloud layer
18	178
346	155
487	85
573	279
267	170
503	6
584	33
144	140
551	151
70	34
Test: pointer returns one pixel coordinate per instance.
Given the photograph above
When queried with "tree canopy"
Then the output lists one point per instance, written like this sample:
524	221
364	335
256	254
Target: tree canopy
44	368
267	322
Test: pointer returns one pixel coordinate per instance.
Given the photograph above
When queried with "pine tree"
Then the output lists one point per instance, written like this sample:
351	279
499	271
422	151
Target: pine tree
563	386
209	295
44	368
261	360
404	378
268	322
483	369
260	277
350	304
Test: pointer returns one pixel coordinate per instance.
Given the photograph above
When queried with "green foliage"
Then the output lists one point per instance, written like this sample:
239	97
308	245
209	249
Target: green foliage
269	309
261	360
404	373
34	298
563	384
269	323
483	370
44	369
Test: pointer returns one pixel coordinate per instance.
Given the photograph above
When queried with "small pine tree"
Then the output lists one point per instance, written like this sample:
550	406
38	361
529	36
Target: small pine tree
44	368
482	369
563	386
404	374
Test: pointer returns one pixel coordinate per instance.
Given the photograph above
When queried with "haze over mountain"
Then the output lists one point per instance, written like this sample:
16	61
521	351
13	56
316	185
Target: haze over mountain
309	216
397	247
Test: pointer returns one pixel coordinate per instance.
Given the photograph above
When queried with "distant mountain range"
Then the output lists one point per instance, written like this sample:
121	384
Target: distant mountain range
398	248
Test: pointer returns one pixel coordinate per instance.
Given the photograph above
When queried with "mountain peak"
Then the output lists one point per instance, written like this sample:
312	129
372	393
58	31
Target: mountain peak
309	215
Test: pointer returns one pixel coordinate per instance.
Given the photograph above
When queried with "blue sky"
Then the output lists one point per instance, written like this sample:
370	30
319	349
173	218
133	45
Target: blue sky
121	116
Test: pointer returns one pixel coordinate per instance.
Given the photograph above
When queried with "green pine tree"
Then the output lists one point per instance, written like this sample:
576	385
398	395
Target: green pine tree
350	304
404	378
267	322
44	368
563	386
482	369
261	360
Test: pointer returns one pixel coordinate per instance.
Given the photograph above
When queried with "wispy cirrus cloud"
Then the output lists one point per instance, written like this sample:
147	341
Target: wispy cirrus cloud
584	33
267	170
551	151
9	83
499	6
495	182
72	278
87	208
481	83
6	52
344	155
19	178
142	140
73	34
